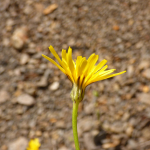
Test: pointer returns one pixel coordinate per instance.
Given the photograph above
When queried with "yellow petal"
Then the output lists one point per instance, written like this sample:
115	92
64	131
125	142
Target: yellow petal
100	65
91	68
83	66
106	72
89	59
104	77
79	58
64	57
70	62
57	57
92	62
51	60
101	74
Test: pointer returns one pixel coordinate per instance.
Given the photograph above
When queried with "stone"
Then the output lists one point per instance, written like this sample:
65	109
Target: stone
130	71
132	144
129	130
54	86
144	98
110	145
90	108
10	22
4	96
88	141
25	99
28	10
50	9
38	133
85	125
2	69
125	116
116	27
6	42
60	124
4	147
139	45
19	144
117	127
145	89
19	37
63	148
43	82
143	64
24	59
146	133
39	7
146	73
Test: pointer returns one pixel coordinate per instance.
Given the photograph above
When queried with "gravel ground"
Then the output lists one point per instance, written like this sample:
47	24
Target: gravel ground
35	95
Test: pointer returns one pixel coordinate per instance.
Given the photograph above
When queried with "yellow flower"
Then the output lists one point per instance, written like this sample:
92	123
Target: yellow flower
82	71
34	144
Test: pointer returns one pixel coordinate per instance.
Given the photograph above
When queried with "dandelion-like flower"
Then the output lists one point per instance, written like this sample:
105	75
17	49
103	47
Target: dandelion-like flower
34	144
82	71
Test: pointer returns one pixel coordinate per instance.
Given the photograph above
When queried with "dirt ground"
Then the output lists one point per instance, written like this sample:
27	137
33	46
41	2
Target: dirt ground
35	96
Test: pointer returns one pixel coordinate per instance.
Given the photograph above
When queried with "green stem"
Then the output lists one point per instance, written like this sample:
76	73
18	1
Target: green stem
74	124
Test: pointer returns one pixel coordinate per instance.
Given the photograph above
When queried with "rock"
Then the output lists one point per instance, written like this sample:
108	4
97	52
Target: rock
44	80
4	147
63	148
85	125
10	22
145	89
144	98
19	144
28	10
4	96
117	127
125	116
139	45
146	133
25	99
99	137
146	73
88	141
32	123
118	40
132	144
130	71
116	27
60	124
110	145
19	111
90	108
130	22
24	59
54	86
2	69
39	7
31	134
143	64
6	42
50	9
129	130
19	37
38	133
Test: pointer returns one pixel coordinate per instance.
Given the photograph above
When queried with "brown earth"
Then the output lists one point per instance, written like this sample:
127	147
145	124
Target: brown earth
35	95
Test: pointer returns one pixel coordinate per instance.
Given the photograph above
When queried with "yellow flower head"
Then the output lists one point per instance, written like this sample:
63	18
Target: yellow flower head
34	144
81	72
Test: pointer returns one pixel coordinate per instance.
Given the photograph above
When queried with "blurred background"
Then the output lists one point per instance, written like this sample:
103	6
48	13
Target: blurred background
35	96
